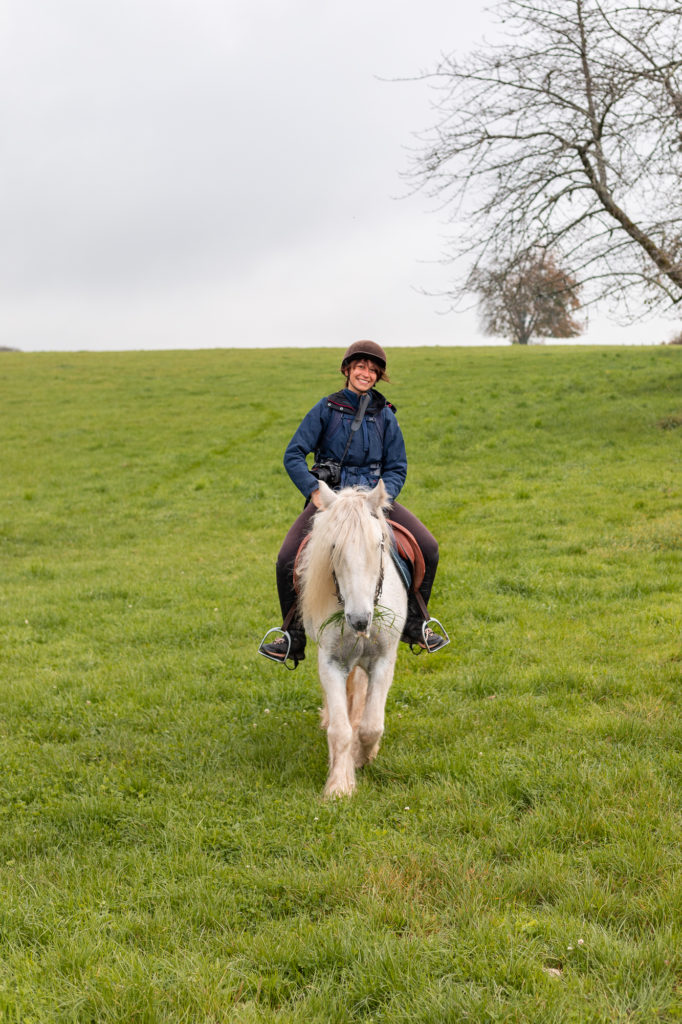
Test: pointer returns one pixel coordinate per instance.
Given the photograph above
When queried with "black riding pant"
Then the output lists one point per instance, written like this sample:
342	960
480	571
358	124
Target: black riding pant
397	514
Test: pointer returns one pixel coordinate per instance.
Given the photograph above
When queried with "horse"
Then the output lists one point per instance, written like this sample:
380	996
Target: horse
353	603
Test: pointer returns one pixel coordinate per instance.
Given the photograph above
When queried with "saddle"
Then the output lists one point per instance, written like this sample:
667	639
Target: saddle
406	554
406	548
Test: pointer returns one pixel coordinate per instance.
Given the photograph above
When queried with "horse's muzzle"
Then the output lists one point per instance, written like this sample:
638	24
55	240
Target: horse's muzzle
359	623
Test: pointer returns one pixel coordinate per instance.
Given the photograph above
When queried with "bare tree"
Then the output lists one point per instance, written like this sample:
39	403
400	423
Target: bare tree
568	136
528	298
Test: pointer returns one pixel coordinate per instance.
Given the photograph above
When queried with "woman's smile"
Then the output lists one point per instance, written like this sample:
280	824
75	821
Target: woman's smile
362	376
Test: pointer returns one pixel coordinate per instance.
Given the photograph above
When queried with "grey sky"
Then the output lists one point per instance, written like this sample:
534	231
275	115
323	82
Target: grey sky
194	174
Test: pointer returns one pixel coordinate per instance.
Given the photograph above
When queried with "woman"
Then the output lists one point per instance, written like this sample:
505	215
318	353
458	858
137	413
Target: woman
351	449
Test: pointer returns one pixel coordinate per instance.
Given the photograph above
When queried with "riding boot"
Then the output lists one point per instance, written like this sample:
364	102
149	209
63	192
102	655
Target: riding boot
416	631
289	646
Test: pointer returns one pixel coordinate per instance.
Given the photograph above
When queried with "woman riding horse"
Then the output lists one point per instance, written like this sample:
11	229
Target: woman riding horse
356	440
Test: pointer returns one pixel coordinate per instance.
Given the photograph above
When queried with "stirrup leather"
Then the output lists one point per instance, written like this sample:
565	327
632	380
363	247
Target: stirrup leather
287	635
418	649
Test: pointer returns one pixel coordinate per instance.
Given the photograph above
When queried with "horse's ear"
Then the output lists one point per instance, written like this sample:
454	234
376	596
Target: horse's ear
327	495
378	498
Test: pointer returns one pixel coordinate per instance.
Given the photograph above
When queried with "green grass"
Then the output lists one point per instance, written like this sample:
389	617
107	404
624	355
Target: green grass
514	852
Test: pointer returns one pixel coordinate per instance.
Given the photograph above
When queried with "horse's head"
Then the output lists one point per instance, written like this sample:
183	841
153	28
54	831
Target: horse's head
355	528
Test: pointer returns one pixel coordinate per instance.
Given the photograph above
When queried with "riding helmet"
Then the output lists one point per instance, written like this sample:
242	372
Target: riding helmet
368	349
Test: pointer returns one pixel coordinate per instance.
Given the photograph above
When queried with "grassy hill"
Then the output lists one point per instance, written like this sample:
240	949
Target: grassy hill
514	852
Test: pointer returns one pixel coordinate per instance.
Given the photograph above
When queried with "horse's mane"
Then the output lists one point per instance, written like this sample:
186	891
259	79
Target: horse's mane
344	524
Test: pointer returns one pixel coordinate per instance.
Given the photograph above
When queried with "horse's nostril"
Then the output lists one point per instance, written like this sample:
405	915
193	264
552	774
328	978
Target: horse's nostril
358	622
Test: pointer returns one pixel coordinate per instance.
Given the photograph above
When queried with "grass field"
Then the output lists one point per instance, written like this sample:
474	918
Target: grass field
514	852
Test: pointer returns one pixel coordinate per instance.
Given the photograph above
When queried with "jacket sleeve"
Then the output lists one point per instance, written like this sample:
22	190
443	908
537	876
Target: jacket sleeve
395	458
305	440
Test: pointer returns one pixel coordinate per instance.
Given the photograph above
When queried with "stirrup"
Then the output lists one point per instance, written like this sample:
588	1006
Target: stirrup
278	661
418	649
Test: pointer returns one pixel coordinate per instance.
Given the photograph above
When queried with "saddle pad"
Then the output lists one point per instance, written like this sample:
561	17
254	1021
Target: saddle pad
404	568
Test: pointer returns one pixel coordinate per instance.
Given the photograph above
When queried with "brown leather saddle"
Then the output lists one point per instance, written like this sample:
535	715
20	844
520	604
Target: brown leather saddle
407	548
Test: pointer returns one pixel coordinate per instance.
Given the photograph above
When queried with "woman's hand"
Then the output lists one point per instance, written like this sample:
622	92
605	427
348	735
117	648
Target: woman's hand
316	499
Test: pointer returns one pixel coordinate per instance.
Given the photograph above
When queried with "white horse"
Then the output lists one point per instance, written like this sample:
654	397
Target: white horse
353	602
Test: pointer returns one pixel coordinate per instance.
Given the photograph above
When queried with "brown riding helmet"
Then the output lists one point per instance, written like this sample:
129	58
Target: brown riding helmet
367	350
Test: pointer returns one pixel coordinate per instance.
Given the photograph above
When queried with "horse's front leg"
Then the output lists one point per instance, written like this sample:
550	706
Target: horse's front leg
372	725
341	778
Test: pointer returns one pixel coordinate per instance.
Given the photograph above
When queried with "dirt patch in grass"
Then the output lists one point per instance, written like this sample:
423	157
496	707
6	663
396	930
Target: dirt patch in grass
670	422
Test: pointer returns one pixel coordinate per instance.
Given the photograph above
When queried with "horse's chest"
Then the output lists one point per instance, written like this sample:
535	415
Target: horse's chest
353	649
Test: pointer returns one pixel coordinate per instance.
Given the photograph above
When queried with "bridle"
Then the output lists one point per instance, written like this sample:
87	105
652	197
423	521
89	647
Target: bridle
380	578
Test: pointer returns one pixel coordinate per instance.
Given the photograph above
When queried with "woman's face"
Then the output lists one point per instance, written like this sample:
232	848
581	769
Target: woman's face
362	375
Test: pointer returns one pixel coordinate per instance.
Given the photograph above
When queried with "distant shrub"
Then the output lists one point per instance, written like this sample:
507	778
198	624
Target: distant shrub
676	340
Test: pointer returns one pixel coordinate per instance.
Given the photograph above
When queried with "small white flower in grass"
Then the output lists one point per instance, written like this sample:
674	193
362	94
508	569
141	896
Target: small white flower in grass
267	711
407	808
581	942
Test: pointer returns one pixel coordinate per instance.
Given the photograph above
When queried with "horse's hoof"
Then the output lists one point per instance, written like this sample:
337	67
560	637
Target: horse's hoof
338	791
366	757
363	754
372	753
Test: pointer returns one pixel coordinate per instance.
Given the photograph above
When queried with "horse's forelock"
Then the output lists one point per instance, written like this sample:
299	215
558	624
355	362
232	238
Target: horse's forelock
349	520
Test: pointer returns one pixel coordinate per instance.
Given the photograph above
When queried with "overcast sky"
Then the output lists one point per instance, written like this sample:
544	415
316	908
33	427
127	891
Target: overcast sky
202	173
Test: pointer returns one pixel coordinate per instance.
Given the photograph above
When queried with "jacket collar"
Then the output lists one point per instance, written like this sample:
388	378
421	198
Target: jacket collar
347	399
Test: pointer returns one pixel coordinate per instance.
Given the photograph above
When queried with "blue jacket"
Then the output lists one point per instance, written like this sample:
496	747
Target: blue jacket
376	451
